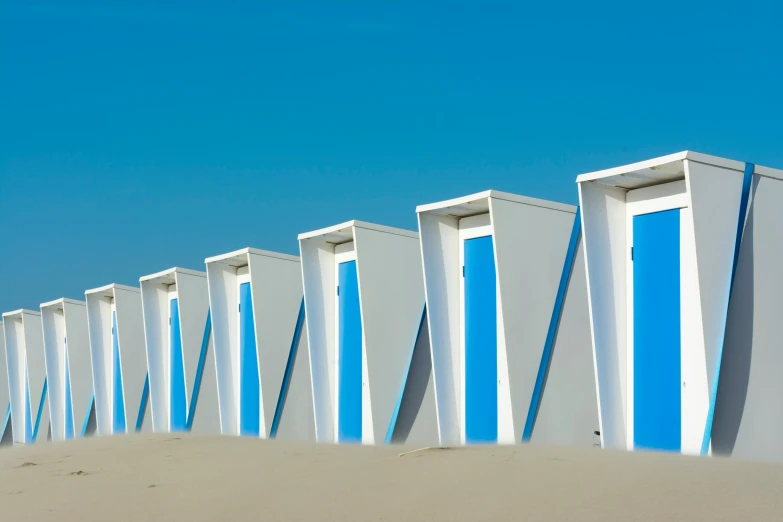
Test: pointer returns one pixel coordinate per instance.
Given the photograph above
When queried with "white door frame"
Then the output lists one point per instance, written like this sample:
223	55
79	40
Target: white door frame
648	200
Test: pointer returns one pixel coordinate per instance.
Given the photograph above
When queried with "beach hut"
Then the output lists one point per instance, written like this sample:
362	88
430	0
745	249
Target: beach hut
6	435
26	376
68	368
255	298
181	361
365	310
508	320
119	363
683	260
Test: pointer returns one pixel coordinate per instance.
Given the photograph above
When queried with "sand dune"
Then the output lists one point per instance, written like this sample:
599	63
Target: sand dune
171	477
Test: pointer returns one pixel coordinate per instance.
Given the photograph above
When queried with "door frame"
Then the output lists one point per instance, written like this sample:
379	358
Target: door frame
243	276
648	200
343	253
471	227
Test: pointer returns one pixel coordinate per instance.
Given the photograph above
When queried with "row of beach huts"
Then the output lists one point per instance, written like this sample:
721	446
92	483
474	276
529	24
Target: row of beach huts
649	317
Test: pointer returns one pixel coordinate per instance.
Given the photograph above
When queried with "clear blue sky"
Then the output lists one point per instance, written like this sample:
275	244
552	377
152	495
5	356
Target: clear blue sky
136	136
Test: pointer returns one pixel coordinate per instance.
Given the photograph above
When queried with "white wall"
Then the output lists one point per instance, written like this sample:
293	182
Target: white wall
99	327
276	285
78	362
130	330
54	348
155	306
222	296
26	362
604	240
391	293
319	284
530	247
440	261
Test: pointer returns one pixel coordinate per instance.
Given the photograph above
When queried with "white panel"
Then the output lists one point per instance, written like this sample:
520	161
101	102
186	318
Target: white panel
695	398
392	300
222	296
604	235
715	199
99	325
36	369
53	321
319	286
530	248
440	258
78	362
14	341
277	295
133	359
155	306
193	302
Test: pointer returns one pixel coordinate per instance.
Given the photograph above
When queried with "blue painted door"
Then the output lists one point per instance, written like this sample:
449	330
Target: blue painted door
249	389
177	401
656	331
481	341
349	325
119	398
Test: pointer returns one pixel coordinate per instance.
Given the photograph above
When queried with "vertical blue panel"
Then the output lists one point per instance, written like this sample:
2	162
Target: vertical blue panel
656	334
349	324
249	390
119	399
69	430
177	401
481	342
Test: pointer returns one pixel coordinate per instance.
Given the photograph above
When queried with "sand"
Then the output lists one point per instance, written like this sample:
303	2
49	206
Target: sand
170	477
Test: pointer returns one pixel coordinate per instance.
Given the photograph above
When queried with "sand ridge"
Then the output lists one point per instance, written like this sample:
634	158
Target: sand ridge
196	478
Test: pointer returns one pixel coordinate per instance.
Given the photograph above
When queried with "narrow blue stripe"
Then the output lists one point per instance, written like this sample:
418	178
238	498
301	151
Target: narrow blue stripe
554	323
87	418
202	358
5	424
747	181
40	410
393	422
143	404
289	369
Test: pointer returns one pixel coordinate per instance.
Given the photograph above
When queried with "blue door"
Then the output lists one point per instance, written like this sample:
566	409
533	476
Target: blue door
249	390
119	399
178	403
656	331
349	325
481	342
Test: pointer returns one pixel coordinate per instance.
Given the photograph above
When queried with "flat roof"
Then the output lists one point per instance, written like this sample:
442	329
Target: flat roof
478	203
61	301
342	233
169	274
664	169
20	312
231	258
113	286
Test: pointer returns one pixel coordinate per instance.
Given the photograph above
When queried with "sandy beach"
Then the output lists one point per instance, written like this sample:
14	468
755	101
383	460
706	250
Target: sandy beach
189	478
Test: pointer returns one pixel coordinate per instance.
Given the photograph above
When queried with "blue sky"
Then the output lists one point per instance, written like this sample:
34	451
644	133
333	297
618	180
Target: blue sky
137	136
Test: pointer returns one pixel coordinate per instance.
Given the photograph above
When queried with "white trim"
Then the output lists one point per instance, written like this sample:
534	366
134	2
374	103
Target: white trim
469	228
346	230
479	196
230	258
670	162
